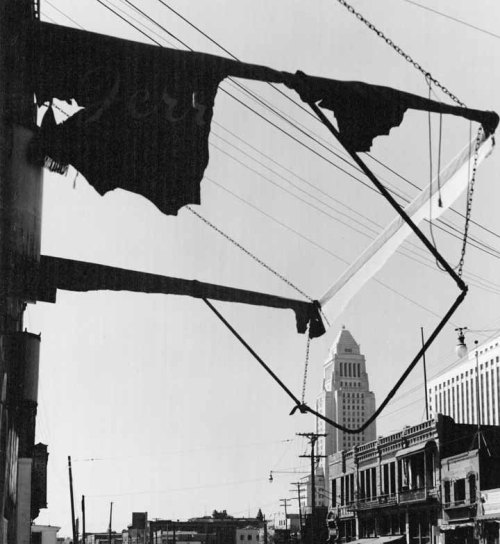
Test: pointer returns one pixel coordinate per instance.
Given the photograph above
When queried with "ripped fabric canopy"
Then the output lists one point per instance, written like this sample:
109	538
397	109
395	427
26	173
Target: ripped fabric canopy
146	111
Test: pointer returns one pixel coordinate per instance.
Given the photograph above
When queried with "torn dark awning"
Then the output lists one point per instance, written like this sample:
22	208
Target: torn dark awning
147	110
365	111
57	273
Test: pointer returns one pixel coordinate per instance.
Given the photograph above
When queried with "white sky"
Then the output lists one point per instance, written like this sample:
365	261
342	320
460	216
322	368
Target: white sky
178	417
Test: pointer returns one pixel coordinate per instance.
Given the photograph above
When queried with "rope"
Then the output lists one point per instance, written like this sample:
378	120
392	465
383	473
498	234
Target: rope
400	51
431	173
249	253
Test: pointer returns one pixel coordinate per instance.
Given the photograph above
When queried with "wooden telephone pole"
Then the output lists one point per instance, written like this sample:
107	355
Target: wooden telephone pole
299	498
313	438
72	499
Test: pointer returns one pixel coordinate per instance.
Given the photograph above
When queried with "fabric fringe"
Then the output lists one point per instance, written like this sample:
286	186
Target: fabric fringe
55	166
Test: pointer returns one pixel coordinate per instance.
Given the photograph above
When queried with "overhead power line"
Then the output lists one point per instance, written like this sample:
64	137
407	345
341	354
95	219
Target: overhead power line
455	19
284	118
215	42
404	198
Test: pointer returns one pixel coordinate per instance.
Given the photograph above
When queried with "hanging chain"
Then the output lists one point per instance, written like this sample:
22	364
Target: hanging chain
470	195
398	50
249	253
306	366
431	79
36	9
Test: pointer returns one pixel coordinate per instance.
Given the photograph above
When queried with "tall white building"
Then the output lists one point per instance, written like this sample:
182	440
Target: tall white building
456	391
345	398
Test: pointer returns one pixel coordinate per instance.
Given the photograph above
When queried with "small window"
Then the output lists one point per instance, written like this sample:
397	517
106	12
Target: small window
459	491
472	488
242	537
249	537
447	494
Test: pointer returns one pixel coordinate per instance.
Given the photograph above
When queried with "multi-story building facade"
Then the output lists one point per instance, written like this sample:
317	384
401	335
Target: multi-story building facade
423	485
456	392
345	396
207	530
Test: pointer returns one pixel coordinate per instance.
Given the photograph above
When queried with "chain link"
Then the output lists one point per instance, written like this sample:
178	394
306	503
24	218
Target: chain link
430	79
398	50
306	366
249	253
470	195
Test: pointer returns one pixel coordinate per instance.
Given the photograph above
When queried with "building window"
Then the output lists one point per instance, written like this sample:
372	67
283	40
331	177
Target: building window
452	413
487	414
467	407
481	394
249	537
459	491
472	488
447	494
472	400
242	537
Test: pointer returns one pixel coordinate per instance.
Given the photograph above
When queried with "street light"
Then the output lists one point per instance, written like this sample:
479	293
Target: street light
461	347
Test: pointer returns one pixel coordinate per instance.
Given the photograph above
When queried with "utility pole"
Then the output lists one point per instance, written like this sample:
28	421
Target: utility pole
83	520
73	522
425	376
284	503
313	438
298	484
110	521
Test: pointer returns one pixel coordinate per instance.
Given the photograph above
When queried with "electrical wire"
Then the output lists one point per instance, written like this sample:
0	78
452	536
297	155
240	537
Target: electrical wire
455	19
292	123
254	111
482	286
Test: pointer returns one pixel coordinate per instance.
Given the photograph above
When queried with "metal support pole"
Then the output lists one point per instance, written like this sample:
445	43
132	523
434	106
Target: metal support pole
425	375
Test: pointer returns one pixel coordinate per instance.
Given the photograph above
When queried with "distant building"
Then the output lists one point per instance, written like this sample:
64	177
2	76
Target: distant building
284	529
136	532
103	538
456	391
208	530
250	535
278	521
427	484
44	534
345	396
